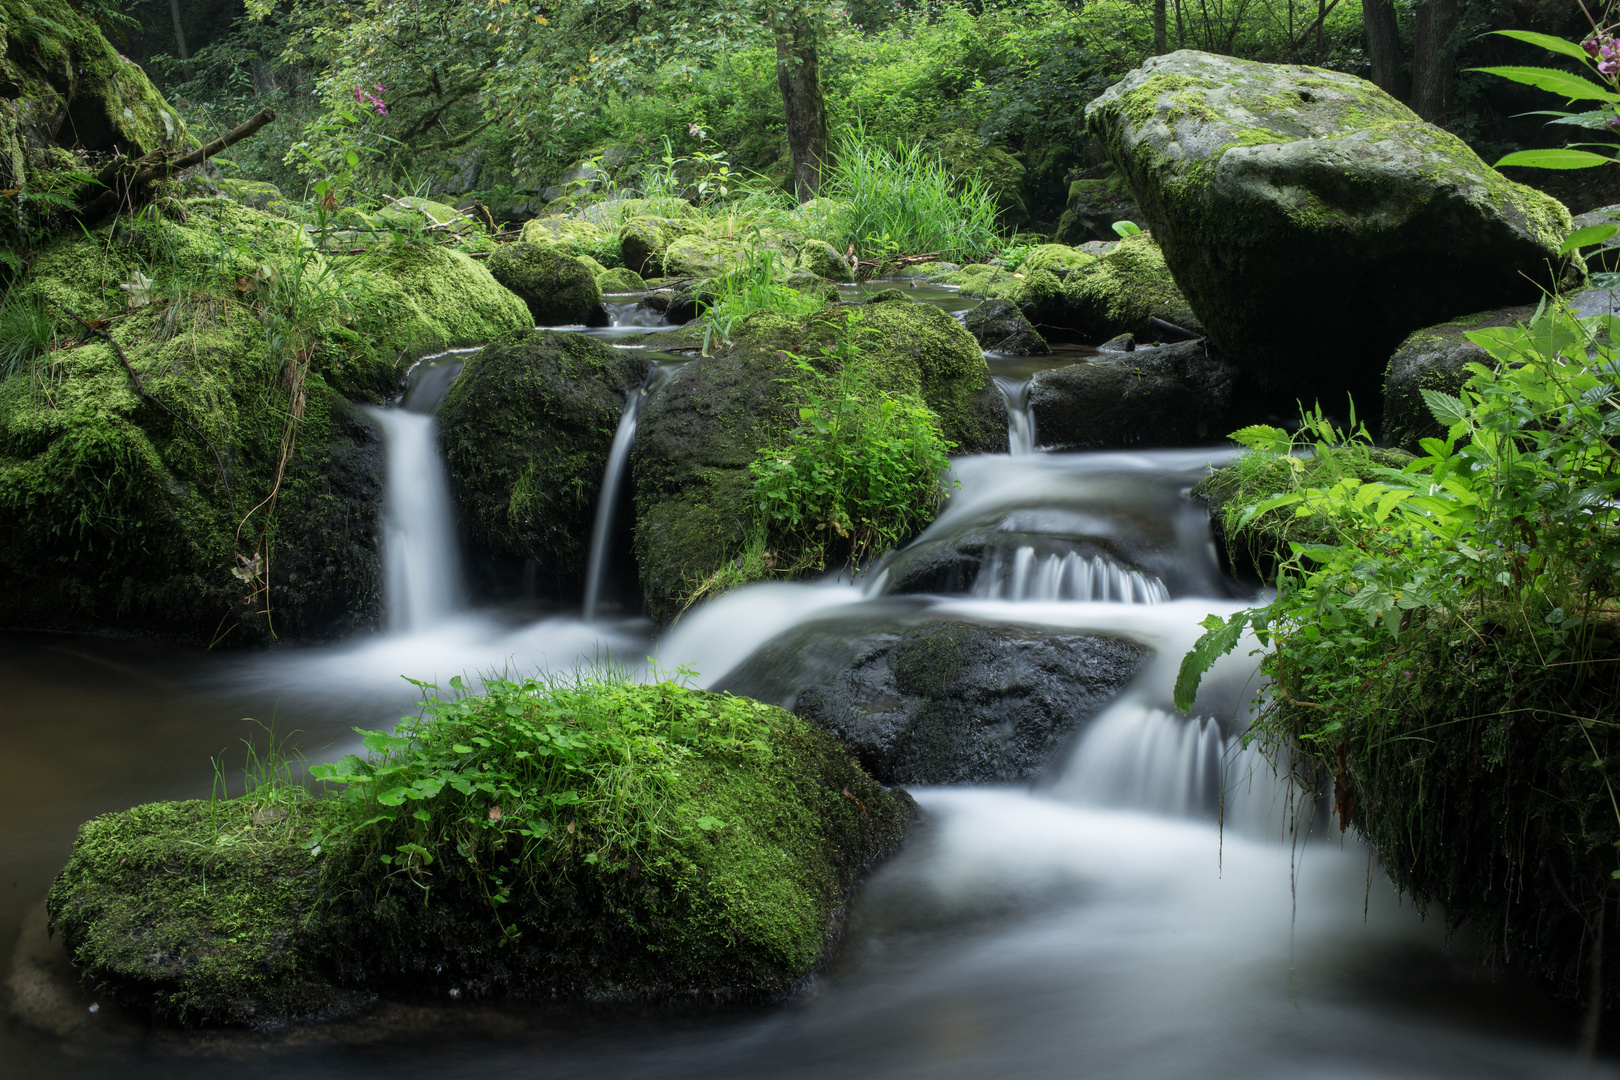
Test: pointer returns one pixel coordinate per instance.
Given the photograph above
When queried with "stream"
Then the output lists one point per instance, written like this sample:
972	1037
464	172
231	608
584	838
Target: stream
1154	905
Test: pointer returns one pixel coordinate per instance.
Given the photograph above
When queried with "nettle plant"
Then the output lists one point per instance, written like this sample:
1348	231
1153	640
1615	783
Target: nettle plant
1504	528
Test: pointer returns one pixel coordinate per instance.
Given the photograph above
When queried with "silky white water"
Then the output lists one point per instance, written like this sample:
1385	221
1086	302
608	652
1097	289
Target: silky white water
420	554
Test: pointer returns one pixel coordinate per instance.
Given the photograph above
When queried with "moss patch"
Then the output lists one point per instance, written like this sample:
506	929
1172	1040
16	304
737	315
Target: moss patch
559	289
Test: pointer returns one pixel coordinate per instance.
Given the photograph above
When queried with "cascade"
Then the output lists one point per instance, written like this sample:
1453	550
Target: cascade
1027	576
612	480
1020	421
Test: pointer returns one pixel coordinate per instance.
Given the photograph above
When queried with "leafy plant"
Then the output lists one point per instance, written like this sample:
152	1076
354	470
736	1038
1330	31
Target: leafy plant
27	331
862	470
752	283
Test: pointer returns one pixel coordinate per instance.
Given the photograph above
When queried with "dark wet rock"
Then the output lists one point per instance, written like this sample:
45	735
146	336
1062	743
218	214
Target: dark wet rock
526	430
1096	201
1312	221
1000	327
1122	343
1172	395
943	702
559	289
1434	358
688	300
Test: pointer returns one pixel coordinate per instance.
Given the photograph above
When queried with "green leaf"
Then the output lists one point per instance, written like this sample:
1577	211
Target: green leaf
1263	437
1219	638
1126	228
1546	41
1555	159
1446	408
1591	234
1562	83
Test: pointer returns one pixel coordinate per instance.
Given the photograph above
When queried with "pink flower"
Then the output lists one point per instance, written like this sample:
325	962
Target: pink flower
1590	45
695	131
1608	67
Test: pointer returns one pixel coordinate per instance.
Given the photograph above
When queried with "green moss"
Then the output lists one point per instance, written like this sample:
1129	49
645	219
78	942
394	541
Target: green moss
642	241
127	514
575	237
1054	257
694	256
559	289
823	260
620	280
1123	291
257	195
227	919
526	430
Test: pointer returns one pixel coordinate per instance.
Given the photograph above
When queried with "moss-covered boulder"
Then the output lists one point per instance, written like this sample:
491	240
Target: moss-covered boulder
695	256
129	510
526	430
620	280
256	194
712	864
1096	200
1297	205
703	427
1000	327
575	236
1173	395
559	289
823	260
1435	358
1059	259
1120	293
642	241
69	87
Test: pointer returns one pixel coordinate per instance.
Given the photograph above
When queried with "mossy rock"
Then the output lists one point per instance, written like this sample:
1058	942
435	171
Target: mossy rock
575	236
1299	205
823	260
71	88
1435	358
1120	293
1094	204
642	241
559	289
257	195
526	430
999	327
437	219
804	281
1054	258
694	256
620	280
218	915
127	513
701	429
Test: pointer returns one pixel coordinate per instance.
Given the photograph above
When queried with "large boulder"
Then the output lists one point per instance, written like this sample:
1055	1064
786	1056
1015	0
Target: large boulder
702	428
526	430
559	289
942	702
723	879
1173	395
1312	220
130	511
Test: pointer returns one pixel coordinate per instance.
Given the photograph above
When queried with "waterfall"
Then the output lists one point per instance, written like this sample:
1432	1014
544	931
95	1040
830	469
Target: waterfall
419	534
1029	577
1020	421
612	480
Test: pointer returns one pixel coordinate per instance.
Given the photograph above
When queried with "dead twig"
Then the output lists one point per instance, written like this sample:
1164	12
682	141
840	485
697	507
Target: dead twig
154	167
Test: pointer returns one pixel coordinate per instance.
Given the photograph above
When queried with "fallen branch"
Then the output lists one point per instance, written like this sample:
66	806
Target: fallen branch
135	381
158	167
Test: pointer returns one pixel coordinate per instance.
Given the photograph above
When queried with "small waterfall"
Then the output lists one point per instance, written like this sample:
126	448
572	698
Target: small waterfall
612	479
1029	577
419	538
1020	421
631	313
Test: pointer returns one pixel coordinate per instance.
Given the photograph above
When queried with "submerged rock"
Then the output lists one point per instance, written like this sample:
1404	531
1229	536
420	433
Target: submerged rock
526	430
1172	395
724	879
1312	220
943	702
559	289
1000	327
130	512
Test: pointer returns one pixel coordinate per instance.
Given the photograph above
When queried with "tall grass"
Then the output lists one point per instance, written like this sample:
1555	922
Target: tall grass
905	202
27	331
753	283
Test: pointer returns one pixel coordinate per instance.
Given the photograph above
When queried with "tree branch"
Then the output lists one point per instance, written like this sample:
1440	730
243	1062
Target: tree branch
159	167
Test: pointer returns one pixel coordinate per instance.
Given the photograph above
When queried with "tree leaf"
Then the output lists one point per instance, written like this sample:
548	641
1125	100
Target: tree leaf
1446	408
1562	83
1546	41
1219	638
1586	237
1555	159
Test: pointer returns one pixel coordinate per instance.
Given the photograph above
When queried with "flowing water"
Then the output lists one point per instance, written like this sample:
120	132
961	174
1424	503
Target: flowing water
1157	905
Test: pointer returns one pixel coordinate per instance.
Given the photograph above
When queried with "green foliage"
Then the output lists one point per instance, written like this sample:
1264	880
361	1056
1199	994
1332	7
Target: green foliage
1503	528
529	773
905	202
28	330
863	466
752	284
1571	88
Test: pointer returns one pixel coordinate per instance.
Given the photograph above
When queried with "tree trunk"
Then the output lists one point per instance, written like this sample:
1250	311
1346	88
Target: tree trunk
1384	47
1434	59
798	73
180	39
1161	44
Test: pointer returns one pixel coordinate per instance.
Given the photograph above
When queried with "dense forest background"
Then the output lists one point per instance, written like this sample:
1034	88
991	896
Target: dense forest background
521	103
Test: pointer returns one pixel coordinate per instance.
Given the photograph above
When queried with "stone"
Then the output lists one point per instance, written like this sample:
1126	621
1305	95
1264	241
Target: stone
1095	202
1000	327
1434	358
1172	395
942	702
558	289
1311	220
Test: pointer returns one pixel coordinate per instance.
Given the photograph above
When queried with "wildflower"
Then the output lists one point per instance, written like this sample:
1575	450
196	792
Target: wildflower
695	131
1591	46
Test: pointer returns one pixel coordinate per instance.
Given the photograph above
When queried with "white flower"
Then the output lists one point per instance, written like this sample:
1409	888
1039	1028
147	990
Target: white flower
139	288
